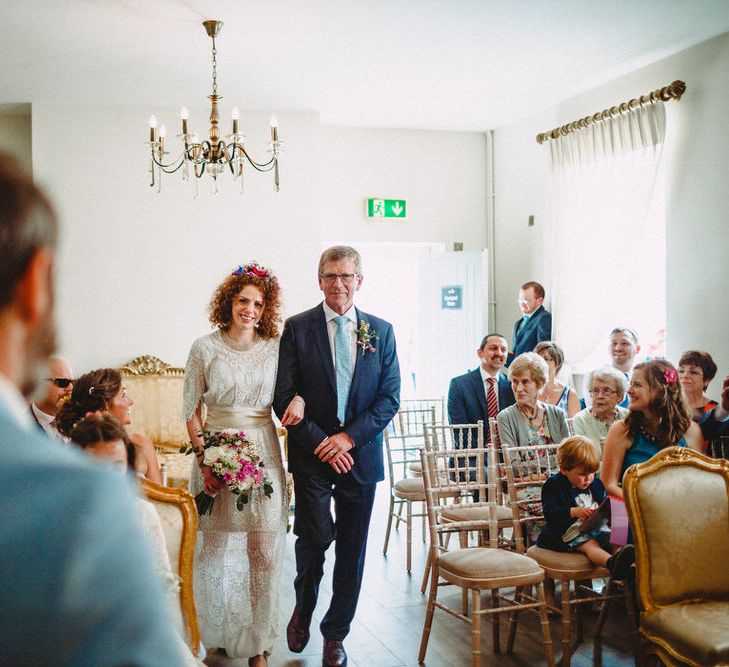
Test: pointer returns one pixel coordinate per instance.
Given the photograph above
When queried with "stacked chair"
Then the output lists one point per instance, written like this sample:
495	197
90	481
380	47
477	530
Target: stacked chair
678	504
450	473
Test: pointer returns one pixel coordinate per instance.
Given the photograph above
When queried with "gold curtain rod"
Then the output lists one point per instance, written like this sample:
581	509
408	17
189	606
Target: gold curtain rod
673	91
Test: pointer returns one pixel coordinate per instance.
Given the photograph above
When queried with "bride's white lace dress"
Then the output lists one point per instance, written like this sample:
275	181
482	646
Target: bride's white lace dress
238	555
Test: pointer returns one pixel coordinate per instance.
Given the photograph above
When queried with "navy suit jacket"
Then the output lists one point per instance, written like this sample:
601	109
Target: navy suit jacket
467	399
536	329
305	367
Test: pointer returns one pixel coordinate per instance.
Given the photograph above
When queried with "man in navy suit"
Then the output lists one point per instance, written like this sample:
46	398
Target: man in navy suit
468	394
535	325
343	363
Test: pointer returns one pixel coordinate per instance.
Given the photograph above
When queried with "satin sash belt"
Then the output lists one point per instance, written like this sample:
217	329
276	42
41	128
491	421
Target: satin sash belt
238	418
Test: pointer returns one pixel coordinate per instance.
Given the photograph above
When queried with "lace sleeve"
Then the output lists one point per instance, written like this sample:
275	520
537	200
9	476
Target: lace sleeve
195	384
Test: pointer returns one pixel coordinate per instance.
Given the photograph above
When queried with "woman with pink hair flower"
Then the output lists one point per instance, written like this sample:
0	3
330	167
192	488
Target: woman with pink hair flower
657	418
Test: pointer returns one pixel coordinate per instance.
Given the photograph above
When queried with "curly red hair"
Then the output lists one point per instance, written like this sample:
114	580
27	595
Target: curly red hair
221	305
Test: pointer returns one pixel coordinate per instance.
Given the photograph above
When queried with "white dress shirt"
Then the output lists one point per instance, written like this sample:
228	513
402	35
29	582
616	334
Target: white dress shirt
47	423
351	315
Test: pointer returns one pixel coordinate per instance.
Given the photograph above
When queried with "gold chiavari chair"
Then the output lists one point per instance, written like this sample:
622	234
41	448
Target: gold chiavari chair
449	473
527	468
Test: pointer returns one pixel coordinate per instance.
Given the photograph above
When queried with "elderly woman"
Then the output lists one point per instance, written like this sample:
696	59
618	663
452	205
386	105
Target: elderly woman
696	370
530	421
607	387
657	418
554	391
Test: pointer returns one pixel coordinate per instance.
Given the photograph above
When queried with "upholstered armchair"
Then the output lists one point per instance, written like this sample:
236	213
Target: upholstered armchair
678	504
156	388
178	517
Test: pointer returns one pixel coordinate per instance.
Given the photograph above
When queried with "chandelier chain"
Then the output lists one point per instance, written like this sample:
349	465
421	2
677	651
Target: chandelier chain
215	69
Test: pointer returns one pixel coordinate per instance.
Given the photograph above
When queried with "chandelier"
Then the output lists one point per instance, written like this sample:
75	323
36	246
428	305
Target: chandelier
213	154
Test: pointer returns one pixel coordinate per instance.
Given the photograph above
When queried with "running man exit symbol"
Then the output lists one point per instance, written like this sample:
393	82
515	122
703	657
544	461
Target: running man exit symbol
386	208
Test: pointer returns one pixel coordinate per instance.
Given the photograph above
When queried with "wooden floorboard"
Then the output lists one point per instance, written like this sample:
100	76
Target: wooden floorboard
387	629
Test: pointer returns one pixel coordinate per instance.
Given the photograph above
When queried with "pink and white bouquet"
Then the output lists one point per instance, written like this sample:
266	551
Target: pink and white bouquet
234	460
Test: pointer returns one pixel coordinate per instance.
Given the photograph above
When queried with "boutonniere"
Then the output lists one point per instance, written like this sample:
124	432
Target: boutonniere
365	337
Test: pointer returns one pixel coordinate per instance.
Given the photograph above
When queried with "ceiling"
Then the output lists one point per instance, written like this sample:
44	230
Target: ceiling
447	64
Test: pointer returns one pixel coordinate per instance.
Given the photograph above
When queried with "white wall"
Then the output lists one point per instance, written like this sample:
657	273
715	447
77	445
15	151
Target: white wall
697	160
136	269
15	133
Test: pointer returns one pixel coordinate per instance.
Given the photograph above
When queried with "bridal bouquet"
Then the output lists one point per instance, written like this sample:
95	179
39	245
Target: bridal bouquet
234	460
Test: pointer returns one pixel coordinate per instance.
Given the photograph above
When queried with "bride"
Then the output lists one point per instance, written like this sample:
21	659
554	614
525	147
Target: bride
239	554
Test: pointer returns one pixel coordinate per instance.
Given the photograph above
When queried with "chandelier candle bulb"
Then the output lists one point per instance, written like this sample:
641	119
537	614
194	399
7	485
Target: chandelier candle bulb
234	115
152	129
184	116
162	135
274	129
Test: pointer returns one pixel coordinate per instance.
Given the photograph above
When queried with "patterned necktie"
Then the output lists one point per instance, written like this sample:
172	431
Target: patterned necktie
491	401
343	365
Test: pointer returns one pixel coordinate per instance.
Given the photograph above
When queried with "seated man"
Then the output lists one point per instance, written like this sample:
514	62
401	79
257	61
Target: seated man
623	348
481	393
715	423
58	385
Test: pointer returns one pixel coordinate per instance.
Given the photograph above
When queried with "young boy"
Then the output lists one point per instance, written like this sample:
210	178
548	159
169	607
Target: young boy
571	496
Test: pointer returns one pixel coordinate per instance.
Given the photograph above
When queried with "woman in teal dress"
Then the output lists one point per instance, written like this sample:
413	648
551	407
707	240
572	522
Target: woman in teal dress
657	418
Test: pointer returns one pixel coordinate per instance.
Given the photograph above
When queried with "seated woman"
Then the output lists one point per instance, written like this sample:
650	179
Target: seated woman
569	497
554	391
606	387
530	421
102	390
696	370
657	418
102	436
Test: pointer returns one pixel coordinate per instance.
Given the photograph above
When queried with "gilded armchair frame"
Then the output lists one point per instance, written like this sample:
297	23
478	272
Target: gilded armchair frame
650	644
185	503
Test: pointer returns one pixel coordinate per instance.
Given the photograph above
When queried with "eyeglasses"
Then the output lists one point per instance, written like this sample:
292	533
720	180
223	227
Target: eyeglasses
605	391
346	278
61	383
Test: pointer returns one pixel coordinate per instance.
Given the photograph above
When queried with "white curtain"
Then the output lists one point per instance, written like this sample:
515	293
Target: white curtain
608	250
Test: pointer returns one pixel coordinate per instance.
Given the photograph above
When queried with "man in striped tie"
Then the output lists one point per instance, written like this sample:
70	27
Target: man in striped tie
343	362
482	393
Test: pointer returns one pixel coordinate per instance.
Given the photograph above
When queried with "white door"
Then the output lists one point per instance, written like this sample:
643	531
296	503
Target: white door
452	318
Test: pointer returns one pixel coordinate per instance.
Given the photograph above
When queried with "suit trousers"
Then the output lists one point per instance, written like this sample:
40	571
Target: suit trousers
316	529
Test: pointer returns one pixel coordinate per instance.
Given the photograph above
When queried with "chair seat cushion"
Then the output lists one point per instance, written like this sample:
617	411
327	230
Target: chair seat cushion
416	468
570	564
698	631
410	488
467	513
501	567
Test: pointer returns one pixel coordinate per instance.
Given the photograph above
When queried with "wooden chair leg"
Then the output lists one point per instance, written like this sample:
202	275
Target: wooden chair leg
609	590
389	525
476	628
495	621
513	620
430	610
424	583
546	631
566	619
409	516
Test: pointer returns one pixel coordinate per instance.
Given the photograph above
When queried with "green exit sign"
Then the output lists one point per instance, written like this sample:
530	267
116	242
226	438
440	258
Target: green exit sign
386	208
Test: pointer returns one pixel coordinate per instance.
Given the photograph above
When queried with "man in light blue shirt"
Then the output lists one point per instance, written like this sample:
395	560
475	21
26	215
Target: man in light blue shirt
79	585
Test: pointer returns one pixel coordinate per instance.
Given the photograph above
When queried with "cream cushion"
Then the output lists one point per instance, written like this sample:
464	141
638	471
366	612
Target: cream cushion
689	562
571	564
492	564
466	513
699	631
410	488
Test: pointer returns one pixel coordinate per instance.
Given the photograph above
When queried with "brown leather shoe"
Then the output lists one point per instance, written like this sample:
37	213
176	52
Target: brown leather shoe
297	632
334	654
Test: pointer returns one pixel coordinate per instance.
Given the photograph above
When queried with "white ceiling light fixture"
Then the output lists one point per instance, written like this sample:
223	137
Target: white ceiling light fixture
210	155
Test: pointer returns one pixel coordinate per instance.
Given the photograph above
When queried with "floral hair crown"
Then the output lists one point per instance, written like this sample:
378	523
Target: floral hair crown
255	269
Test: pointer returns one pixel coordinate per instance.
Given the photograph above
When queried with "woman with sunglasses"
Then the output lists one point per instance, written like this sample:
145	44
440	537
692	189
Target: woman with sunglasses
102	390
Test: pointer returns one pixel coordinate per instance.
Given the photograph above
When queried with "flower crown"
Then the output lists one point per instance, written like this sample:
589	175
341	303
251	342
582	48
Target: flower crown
255	269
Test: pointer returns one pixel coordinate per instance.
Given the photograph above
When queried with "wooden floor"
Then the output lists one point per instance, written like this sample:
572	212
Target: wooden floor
389	622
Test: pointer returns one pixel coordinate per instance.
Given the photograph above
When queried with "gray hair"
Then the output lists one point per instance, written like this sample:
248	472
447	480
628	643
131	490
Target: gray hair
533	364
609	375
337	252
